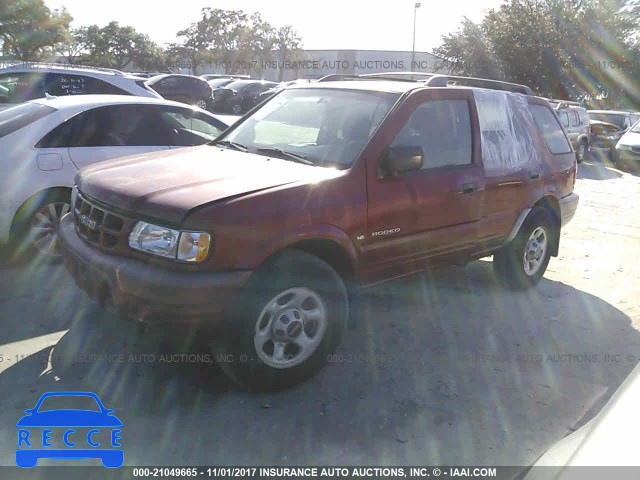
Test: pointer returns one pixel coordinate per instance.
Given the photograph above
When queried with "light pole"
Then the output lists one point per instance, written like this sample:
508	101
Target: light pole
413	51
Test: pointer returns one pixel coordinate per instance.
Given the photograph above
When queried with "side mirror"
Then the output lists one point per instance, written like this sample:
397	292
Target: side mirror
401	159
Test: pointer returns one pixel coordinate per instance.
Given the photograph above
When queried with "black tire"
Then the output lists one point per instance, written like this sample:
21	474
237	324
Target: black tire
291	271
236	109
509	261
581	151
23	241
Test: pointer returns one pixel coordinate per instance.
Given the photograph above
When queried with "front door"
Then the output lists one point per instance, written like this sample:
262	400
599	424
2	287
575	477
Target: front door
431	214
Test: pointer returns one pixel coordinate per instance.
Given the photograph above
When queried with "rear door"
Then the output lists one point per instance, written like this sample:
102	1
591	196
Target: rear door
433	213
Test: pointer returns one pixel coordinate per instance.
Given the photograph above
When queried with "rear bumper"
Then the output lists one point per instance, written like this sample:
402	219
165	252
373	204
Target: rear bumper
148	293
568	207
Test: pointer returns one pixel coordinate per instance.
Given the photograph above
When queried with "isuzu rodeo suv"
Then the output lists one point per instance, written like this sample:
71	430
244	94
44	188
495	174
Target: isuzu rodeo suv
327	188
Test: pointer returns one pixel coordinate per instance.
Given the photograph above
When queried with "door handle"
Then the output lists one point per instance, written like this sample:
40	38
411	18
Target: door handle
469	188
534	175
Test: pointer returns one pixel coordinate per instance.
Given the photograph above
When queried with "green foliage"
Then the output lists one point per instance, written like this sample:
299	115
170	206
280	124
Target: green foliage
28	29
233	39
584	49
113	46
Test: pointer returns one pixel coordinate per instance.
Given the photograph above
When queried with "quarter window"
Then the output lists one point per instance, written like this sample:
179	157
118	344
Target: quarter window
550	129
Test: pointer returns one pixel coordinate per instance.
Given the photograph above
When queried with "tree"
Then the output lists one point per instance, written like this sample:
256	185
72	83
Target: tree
114	46
562	48
233	40
288	45
28	29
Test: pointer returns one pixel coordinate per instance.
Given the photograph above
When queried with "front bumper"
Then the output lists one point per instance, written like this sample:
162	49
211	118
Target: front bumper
568	207
148	293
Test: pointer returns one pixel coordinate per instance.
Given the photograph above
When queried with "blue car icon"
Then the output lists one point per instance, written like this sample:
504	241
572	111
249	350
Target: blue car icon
83	432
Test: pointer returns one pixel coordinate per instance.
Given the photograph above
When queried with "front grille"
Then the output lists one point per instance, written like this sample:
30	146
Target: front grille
97	226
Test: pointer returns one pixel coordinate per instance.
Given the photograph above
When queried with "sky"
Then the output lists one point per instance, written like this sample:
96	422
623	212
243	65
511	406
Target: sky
322	24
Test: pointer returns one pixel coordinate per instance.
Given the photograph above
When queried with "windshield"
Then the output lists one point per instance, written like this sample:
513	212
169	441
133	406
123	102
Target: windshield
220	82
617	119
238	85
326	127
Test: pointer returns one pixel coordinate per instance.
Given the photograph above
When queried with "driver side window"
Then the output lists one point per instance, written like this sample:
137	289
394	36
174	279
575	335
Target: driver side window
442	129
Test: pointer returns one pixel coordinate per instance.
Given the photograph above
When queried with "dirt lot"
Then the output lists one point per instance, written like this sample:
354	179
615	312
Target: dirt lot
444	368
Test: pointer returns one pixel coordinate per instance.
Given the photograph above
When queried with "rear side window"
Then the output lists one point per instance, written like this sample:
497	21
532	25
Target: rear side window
22	86
563	116
65	84
575	120
20	116
550	129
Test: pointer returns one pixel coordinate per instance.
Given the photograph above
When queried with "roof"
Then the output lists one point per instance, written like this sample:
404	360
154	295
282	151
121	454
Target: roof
70	101
388	86
69	69
616	112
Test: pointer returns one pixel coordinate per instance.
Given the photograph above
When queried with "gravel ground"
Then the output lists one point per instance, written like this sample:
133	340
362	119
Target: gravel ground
444	368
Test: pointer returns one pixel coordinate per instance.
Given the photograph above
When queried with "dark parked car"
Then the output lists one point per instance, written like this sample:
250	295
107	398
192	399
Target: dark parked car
622	118
269	232
217	76
240	96
605	135
220	82
183	88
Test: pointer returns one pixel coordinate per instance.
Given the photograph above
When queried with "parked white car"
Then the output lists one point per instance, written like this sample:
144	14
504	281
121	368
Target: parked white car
44	142
27	81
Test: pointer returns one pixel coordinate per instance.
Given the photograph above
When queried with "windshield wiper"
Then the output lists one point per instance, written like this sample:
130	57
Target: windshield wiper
296	157
234	145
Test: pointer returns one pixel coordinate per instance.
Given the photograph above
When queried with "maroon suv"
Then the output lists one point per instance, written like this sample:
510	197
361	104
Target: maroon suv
326	189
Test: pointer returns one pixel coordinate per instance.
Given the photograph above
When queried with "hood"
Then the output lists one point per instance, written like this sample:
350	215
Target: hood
167	185
631	139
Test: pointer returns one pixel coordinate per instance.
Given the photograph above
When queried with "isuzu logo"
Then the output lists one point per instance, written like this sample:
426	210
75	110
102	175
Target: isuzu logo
391	231
87	222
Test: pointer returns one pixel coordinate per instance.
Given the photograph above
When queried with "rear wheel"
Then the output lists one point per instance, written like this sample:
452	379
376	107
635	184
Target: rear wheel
287	321
582	150
36	224
522	263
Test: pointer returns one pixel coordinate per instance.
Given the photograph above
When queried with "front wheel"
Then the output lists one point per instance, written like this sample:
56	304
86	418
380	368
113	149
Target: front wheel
522	263
36	225
289	318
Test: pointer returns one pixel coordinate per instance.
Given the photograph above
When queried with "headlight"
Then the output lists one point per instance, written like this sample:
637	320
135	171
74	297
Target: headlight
169	243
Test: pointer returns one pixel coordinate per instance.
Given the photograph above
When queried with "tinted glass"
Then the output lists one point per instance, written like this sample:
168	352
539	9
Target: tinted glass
20	116
442	128
112	126
192	128
20	87
550	129
220	82
564	118
59	84
575	120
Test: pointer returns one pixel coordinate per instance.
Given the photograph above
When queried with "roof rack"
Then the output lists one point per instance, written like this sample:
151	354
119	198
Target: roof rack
435	80
562	103
339	77
29	64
